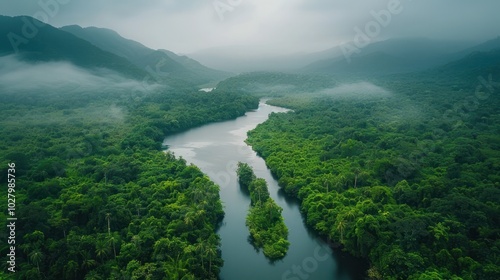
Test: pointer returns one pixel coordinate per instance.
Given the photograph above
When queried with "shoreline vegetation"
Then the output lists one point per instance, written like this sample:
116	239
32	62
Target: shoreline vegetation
97	197
264	220
410	192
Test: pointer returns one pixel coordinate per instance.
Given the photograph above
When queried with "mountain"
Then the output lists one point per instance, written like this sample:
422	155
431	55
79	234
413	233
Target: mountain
35	41
478	63
387	57
379	63
418	53
483	47
162	63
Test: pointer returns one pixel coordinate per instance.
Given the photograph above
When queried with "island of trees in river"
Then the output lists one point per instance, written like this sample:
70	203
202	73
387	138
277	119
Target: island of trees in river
402	170
264	220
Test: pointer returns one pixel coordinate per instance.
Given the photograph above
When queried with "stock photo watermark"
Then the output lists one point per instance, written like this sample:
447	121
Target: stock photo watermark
309	265
48	10
372	29
11	220
223	6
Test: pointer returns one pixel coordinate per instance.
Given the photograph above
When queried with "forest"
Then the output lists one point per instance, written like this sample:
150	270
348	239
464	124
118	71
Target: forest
96	198
267	227
406	175
389	146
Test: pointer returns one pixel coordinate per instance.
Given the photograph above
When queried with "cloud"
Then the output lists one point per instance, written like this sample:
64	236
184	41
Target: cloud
279	25
359	90
48	83
17	75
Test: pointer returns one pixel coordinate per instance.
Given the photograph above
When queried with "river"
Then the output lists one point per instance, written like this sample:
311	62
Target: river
216	148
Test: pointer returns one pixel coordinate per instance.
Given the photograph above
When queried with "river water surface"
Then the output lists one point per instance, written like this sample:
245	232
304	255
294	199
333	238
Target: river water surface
216	148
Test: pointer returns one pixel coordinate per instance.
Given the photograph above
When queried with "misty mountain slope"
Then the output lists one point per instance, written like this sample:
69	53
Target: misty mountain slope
109	40
483	47
370	64
387	57
51	44
419	53
276	83
474	65
162	63
197	67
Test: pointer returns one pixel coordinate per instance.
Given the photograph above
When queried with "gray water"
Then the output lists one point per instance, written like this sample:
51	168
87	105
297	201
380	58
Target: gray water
216	149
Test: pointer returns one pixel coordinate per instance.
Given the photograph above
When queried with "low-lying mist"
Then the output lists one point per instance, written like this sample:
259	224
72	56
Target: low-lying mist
60	92
17	75
359	90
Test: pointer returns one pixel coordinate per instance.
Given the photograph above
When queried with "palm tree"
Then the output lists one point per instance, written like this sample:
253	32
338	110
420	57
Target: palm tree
201	248
350	214
340	182
136	239
101	249
36	257
88	262
211	253
272	206
70	269
111	240
177	269
108	217
356	172
189	218
93	275
198	194
341	225
326	183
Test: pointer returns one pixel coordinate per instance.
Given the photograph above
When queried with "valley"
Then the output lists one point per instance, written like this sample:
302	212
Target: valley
381	166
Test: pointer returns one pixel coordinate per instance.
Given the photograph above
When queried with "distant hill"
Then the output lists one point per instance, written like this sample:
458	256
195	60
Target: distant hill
473	65
418	53
52	44
160	62
387	57
483	47
375	63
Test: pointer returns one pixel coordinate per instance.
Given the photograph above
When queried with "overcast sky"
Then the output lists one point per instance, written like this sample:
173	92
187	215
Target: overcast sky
186	26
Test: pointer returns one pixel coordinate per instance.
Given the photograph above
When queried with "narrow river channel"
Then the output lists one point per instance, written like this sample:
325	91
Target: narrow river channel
215	149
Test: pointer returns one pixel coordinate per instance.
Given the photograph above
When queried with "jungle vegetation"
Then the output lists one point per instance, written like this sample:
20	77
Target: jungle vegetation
264	220
97	198
406	175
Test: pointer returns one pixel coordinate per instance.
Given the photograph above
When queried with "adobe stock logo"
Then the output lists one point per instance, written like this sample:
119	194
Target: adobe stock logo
48	9
372	29
309	265
224	6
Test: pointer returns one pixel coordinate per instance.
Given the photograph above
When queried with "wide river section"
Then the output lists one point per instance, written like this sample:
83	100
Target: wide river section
216	149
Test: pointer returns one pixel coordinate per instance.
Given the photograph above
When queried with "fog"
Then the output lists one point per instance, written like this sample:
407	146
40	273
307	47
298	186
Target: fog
17	75
359	90
272	27
44	83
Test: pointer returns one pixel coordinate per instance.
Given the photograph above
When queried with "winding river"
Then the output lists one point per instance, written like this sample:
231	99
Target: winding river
216	148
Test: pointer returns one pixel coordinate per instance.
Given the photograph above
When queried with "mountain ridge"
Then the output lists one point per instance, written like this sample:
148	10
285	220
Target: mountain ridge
47	43
161	63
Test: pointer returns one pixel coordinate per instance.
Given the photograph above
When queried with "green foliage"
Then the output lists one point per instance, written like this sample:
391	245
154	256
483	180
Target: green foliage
97	199
51	44
392	179
267	84
245	175
267	227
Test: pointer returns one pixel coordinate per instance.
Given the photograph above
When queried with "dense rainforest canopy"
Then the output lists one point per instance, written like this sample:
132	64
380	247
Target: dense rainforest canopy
405	173
95	196
402	170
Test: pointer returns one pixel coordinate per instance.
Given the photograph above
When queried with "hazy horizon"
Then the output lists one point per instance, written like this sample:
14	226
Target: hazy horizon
283	26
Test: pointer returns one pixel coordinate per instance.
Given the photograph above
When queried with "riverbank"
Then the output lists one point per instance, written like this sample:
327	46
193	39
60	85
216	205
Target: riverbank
215	149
